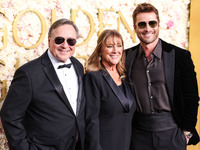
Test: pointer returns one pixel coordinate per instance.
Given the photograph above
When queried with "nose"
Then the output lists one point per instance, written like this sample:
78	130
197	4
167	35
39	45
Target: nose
65	44
147	28
114	50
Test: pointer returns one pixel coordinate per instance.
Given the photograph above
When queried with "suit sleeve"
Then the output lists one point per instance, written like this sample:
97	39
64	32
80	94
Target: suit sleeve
93	96
14	109
190	94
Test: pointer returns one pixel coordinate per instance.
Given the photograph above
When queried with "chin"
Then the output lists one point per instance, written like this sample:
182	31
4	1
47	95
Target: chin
63	59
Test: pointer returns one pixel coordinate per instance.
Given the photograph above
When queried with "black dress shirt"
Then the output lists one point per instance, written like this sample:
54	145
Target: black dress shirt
149	82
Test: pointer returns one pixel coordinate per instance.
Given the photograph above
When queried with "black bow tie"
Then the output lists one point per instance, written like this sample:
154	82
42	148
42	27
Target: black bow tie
65	65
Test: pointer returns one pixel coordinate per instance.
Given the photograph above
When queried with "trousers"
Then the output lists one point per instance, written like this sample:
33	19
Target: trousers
157	132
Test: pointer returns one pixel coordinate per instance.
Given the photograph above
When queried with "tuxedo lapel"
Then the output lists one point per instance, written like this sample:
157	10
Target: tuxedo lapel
117	91
129	95
53	78
169	68
130	58
80	85
131	55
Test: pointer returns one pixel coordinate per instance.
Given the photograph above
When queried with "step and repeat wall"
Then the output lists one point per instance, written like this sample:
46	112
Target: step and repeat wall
24	25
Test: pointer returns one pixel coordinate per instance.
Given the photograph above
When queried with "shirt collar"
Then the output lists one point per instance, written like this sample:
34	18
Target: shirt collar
156	52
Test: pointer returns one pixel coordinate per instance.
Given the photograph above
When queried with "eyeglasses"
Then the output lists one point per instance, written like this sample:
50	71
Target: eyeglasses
152	24
70	41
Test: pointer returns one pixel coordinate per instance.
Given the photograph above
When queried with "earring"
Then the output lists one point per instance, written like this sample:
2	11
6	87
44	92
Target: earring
100	57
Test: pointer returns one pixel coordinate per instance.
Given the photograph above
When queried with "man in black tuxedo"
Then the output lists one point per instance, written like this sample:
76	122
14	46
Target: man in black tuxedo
165	85
44	107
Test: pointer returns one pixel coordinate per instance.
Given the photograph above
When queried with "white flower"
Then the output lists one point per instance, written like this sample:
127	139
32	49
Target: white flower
174	25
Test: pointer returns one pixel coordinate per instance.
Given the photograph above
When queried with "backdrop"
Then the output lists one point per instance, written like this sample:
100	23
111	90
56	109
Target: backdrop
24	25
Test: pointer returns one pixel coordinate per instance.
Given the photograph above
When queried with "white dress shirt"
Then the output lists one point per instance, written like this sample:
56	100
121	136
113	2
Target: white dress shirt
68	79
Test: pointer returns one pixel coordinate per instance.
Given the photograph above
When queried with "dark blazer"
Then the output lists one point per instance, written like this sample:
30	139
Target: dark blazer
36	114
108	113
181	84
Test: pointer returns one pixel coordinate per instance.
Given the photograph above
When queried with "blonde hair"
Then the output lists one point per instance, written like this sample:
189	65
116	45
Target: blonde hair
94	62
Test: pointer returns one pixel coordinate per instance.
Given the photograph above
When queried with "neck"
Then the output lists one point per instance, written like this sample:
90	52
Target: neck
110	68
148	48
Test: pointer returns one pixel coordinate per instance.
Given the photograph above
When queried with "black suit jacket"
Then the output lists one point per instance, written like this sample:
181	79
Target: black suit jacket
181	84
108	113
36	114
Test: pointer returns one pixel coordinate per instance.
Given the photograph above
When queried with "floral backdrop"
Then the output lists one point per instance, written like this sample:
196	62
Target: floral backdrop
174	16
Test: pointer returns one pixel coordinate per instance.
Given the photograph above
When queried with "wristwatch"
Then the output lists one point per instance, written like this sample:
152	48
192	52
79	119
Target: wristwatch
188	134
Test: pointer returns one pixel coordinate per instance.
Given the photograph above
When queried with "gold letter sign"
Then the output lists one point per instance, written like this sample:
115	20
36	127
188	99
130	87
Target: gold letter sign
43	26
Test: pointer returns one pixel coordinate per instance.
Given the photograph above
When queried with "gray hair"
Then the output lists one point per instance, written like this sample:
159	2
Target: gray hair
61	22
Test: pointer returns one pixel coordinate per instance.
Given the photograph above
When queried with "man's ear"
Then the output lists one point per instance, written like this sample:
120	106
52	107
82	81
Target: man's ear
134	27
48	40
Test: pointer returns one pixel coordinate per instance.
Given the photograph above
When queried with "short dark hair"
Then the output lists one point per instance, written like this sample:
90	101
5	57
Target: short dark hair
61	22
143	8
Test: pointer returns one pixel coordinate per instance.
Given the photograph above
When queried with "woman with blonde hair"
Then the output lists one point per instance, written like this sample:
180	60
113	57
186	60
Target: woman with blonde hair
110	104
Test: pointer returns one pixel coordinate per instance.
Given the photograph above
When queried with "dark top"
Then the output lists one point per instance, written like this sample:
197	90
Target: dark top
149	82
36	113
109	112
122	88
181	84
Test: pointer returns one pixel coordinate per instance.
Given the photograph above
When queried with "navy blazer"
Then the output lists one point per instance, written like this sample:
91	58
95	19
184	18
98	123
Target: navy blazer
109	112
181	84
36	113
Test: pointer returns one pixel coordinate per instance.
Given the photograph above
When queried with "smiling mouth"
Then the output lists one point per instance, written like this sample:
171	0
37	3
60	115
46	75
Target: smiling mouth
114	56
147	34
65	51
